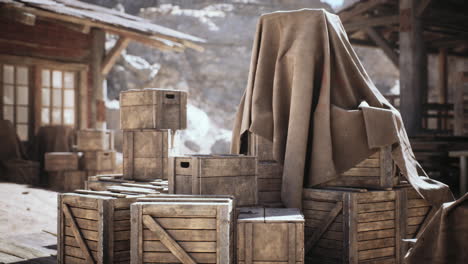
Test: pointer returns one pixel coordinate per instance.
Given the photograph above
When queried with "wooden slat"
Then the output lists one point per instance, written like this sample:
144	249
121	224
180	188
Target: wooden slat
376	207
376	253
190	247
376	234
377	243
185	235
153	257
316	235
77	234
188	223
375	216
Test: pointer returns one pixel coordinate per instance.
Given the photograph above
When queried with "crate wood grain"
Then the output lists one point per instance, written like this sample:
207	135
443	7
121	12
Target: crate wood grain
145	154
260	147
215	174
418	212
94	227
61	161
102	182
181	232
153	108
94	140
374	172
353	227
270	235
103	160
66	181
269	180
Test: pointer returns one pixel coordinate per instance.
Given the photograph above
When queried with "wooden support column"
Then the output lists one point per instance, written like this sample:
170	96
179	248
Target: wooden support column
384	45
443	92
413	67
114	54
96	93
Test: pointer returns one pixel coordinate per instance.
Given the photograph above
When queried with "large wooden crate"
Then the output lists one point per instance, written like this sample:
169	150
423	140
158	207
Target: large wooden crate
270	235
270	174
260	147
66	181
182	232
94	227
61	161
94	140
417	212
353	227
376	172
145	154
153	108
215	174
103	160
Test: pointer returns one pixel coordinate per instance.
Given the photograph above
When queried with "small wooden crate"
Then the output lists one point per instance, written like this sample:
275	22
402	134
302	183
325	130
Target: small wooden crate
215	174
353	227
66	181
182	232
153	108
145	154
376	172
94	227
260	147
98	160
61	161
270	176
271	235
94	140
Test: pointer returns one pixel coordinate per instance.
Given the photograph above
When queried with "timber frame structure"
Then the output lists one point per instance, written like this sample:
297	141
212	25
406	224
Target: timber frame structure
53	60
407	31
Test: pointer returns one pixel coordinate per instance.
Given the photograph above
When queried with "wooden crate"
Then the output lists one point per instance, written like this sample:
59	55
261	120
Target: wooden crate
103	160
145	154
271	235
417	212
353	227
61	161
94	227
270	174
186	232
66	181
153	108
215	174
375	172
260	147
94	140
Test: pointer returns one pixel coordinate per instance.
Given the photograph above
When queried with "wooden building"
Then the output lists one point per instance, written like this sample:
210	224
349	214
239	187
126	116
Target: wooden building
53	60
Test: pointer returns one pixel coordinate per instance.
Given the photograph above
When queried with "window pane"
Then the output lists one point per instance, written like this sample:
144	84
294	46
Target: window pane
68	116
56	116
57	79
46	78
45	114
56	97
45	97
22	95
8	72
21	114
22	75
69	79
69	98
8	94
8	112
22	131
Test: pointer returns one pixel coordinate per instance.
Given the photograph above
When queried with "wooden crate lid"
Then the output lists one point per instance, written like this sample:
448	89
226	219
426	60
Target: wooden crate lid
282	215
73	154
147	96
251	214
103	195
131	190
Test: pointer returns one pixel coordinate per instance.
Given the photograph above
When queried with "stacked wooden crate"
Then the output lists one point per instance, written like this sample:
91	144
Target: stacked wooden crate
98	151
63	172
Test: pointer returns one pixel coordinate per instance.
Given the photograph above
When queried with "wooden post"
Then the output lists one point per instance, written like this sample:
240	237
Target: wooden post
443	93
413	67
96	90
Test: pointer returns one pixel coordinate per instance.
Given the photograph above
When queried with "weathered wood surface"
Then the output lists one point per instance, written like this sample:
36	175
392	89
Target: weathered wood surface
98	160
270	235
376	172
260	147
153	108
94	140
94	227
461	105
214	174
145	154
182	232
269	180
353	227
37	248
61	161
66	181
103	182
417	211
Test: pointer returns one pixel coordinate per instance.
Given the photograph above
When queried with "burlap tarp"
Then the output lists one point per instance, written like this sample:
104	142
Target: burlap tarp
445	238
308	92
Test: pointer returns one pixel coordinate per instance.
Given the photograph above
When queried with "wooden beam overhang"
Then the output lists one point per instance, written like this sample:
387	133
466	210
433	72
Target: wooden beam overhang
384	45
113	55
372	22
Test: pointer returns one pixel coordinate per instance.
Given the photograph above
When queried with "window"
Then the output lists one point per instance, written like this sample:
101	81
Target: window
15	87
58	97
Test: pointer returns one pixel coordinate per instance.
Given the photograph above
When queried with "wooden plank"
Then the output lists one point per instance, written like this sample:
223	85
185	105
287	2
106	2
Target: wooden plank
248	243
167	240
153	257
351	228
371	22
188	223
316	236
184	235
77	234
376	196
321	195
377	243
113	55
381	42
376	253
375	207
292	244
377	234
224	241
190	247
362	227
362	172
375	216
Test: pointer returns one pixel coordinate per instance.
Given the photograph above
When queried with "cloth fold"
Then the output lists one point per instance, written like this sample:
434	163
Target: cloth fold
305	92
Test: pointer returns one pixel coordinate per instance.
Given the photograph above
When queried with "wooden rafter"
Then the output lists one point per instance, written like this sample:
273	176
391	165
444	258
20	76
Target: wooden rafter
359	9
113	55
371	22
384	45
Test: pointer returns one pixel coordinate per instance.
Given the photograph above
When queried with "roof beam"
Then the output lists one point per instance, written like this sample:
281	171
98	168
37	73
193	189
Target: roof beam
384	45
359	9
113	55
19	16
372	22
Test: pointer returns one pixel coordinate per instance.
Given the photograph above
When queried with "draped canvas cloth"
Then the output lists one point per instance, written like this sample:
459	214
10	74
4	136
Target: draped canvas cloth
308	93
